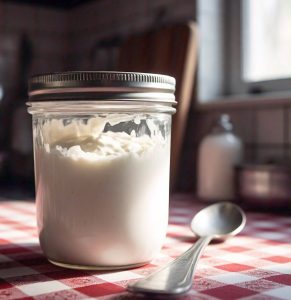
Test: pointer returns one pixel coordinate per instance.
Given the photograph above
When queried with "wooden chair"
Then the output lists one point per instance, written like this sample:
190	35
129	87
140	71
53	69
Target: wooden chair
169	50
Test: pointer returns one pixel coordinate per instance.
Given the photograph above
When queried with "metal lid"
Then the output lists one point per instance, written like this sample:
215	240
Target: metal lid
99	85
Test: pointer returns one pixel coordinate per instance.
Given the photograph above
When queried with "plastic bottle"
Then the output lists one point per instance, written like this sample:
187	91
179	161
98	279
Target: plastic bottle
219	153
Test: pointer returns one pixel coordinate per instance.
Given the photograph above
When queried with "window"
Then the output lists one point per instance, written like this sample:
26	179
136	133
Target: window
245	47
266	26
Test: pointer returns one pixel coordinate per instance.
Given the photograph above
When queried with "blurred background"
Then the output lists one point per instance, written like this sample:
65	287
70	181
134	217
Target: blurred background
227	56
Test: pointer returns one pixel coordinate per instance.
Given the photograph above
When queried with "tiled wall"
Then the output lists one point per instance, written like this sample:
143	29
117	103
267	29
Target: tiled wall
265	132
44	29
109	19
66	40
33	39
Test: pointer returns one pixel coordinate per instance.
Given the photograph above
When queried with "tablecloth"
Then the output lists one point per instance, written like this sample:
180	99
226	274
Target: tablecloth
256	264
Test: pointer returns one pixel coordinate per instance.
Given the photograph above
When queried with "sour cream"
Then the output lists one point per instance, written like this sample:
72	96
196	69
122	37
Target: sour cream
102	196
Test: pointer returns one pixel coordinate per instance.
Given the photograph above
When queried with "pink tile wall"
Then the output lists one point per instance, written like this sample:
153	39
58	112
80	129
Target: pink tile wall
270	124
266	134
108	18
45	29
263	130
64	40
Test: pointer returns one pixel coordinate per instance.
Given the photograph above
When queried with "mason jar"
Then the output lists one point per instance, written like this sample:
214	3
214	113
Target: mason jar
102	160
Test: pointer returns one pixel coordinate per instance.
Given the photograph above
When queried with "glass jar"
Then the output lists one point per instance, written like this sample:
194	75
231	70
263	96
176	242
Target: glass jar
102	158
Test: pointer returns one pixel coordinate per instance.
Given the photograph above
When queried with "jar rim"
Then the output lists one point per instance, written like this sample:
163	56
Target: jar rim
91	106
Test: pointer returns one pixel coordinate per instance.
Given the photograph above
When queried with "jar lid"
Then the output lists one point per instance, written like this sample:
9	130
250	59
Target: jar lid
99	85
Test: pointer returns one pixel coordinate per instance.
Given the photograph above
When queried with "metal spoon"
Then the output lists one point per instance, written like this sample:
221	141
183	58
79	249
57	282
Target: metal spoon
217	221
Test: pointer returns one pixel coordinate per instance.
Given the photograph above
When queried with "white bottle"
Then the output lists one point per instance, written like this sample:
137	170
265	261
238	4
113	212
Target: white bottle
219	153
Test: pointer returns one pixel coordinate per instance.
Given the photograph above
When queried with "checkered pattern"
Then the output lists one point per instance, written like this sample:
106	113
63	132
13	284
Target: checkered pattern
253	265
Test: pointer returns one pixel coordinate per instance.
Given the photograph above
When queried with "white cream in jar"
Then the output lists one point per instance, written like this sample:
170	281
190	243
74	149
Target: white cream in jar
103	195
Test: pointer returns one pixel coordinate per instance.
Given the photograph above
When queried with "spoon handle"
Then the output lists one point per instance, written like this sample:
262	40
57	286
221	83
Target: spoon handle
175	277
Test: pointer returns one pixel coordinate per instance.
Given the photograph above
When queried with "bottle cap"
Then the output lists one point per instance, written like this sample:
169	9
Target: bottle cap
223	124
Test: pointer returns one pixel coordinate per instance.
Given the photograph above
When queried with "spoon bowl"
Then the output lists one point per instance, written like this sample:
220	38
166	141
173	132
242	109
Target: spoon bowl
220	221
217	221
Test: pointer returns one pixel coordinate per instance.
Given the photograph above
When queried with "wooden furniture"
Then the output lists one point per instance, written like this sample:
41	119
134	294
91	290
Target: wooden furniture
169	50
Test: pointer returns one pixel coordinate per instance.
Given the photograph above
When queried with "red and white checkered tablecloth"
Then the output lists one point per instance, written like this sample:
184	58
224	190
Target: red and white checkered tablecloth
256	264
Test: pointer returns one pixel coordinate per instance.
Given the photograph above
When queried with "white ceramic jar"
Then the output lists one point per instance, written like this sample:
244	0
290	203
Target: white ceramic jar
102	158
218	154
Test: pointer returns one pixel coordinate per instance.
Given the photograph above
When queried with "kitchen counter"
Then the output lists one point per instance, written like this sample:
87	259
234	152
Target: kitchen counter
256	264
